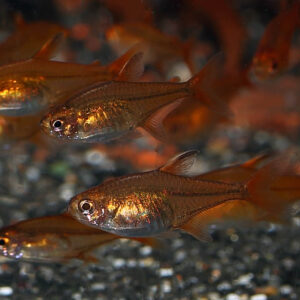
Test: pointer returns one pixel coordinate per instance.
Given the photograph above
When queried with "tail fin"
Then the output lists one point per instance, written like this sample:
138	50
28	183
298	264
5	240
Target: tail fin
202	85
276	186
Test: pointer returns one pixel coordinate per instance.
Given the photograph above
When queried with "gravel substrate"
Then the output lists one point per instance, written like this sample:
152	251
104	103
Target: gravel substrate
259	262
254	263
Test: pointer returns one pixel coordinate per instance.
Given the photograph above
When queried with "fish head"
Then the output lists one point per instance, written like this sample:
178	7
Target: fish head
11	244
89	208
266	65
61	122
121	213
19	97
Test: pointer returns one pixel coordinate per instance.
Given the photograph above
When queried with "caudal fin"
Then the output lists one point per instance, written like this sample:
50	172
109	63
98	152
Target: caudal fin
276	186
203	83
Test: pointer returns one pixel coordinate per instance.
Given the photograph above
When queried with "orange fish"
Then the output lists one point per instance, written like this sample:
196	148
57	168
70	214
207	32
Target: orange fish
31	86
192	120
272	55
272	106
109	110
28	40
163	200
228	26
54	239
157	46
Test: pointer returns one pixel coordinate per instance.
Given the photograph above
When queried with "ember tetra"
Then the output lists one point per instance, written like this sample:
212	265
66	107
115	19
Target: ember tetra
162	200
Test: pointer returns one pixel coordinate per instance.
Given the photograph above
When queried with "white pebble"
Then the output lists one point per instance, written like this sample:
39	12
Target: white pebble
166	272
146	250
233	297
166	286
6	291
259	297
119	263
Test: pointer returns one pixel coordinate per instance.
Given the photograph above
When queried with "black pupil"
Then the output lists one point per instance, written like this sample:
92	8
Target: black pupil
57	124
86	206
2	242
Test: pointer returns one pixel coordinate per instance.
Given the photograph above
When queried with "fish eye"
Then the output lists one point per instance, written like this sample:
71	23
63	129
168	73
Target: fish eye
57	125
86	206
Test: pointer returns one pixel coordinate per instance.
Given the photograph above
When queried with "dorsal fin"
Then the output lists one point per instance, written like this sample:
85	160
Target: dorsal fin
48	48
181	164
130	66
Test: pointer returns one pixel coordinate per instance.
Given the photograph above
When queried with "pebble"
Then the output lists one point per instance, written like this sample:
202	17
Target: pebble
6	291
166	272
233	297
259	297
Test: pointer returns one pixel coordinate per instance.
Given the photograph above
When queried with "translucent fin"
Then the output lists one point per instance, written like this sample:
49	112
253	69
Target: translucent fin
202	85
233	210
276	186
133	69
154	124
130	66
180	164
87	258
153	242
47	50
236	173
197	228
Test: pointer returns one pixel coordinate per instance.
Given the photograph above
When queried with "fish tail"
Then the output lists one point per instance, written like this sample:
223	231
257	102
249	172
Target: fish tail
276	186
202	85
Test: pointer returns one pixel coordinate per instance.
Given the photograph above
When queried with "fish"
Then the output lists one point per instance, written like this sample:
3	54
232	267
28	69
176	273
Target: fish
112	109
18	128
28	39
272	55
192	121
158	47
31	86
228	25
279	107
157	202
58	238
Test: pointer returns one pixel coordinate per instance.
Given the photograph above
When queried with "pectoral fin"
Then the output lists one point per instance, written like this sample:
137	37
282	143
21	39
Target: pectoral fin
130	66
154	124
48	48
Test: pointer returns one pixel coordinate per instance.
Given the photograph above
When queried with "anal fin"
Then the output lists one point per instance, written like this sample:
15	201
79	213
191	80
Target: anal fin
232	210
